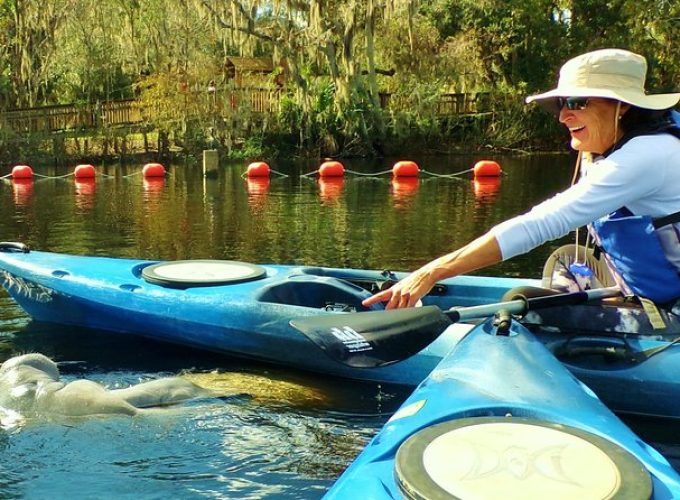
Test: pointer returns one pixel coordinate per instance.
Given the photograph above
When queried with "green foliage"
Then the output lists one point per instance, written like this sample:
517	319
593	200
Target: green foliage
339	57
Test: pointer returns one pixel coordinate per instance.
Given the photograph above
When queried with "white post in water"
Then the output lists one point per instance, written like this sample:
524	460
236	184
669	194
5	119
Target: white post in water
211	161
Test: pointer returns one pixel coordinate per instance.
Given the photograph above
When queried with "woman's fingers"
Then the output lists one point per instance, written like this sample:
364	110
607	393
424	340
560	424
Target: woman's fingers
383	296
406	293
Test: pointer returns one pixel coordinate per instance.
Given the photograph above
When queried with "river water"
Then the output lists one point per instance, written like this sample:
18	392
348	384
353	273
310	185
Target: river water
282	434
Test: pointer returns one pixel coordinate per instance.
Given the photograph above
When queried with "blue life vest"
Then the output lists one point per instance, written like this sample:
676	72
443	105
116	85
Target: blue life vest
675	117
631	243
633	248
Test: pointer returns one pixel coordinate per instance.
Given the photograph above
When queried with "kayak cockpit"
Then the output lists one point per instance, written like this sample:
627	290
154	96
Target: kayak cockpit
319	292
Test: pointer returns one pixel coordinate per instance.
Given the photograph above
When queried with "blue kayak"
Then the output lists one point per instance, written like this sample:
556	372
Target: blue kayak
500	417
246	310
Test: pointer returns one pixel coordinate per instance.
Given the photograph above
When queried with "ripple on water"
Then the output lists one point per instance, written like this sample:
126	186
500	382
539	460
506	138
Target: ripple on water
218	448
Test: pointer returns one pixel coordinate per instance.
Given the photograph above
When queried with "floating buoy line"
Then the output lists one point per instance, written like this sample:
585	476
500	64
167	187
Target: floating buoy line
402	168
331	174
84	171
405	168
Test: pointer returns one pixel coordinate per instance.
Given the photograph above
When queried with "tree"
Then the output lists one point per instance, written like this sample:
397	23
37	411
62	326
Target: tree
321	39
29	42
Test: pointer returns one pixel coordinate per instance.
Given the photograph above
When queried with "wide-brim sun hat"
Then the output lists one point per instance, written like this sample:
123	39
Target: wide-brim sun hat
610	73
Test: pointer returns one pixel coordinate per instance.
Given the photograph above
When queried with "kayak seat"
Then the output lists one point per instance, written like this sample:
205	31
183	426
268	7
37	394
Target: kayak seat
319	292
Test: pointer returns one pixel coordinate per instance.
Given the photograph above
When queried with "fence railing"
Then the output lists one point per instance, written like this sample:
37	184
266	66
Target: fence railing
131	111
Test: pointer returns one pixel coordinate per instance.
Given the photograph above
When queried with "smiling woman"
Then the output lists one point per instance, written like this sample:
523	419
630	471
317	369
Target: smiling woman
628	193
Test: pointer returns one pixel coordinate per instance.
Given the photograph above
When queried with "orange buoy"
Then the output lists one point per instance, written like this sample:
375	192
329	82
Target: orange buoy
84	172
258	169
22	172
153	170
487	168
331	169
405	168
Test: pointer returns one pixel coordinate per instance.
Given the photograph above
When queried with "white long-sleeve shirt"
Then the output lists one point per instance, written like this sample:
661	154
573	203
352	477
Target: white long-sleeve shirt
643	176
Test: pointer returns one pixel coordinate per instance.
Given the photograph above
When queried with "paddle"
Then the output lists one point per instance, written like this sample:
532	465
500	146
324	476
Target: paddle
379	338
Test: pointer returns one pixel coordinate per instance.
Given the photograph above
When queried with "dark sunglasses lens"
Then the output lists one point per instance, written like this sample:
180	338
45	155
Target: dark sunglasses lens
573	103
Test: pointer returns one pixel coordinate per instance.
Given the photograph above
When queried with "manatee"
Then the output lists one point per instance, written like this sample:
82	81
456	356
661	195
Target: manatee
30	385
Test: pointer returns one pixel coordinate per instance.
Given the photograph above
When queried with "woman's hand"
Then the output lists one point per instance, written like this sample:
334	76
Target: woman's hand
405	293
482	252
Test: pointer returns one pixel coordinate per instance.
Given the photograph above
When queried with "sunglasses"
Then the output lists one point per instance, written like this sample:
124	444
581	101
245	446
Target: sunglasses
572	103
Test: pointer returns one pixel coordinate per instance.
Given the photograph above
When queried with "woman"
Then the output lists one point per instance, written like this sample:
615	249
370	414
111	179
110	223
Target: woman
629	153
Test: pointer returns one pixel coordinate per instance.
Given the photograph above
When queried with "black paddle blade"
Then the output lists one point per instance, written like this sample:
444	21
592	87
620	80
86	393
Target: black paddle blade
375	338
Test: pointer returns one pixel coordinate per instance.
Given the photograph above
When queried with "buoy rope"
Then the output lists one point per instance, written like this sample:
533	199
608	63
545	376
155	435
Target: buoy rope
363	174
280	174
353	172
390	171
447	176
99	174
53	176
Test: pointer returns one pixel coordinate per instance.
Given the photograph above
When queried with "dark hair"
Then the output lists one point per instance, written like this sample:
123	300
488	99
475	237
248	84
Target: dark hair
639	119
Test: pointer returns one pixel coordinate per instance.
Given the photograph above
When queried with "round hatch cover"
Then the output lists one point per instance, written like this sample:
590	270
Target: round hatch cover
192	273
494	457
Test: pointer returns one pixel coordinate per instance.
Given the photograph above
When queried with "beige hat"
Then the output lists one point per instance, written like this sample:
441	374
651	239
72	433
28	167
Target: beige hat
611	73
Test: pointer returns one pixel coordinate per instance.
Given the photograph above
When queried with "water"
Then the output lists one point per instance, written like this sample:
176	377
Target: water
282	434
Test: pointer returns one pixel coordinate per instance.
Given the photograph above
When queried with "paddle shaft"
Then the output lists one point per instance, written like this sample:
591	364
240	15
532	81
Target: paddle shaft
379	338
522	306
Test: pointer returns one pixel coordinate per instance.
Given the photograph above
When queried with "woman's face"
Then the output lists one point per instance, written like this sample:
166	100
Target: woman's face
593	129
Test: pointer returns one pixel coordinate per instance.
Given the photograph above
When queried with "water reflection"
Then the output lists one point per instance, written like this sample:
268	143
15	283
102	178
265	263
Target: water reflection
257	186
23	191
258	189
84	193
331	188
153	187
486	188
403	190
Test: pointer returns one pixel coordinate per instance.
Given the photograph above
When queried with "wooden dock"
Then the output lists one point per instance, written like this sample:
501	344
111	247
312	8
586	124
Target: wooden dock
124	113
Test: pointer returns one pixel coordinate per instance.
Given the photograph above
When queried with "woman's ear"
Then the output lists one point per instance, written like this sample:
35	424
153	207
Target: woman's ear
623	109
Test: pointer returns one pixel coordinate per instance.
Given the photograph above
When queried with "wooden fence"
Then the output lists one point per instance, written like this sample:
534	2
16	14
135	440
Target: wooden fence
109	114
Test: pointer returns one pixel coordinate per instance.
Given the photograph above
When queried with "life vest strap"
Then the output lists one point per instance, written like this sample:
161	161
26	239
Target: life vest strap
665	220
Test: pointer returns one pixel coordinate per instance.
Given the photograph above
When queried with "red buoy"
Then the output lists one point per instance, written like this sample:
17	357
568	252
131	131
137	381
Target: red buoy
22	172
153	170
487	168
258	169
405	168
84	172
331	169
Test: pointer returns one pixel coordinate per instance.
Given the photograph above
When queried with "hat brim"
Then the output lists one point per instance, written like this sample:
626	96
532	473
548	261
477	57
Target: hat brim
548	100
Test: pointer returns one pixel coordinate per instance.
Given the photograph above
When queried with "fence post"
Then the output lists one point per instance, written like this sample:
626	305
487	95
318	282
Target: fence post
211	162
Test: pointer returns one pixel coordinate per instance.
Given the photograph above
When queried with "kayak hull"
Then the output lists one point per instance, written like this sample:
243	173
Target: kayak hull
251	319
491	378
